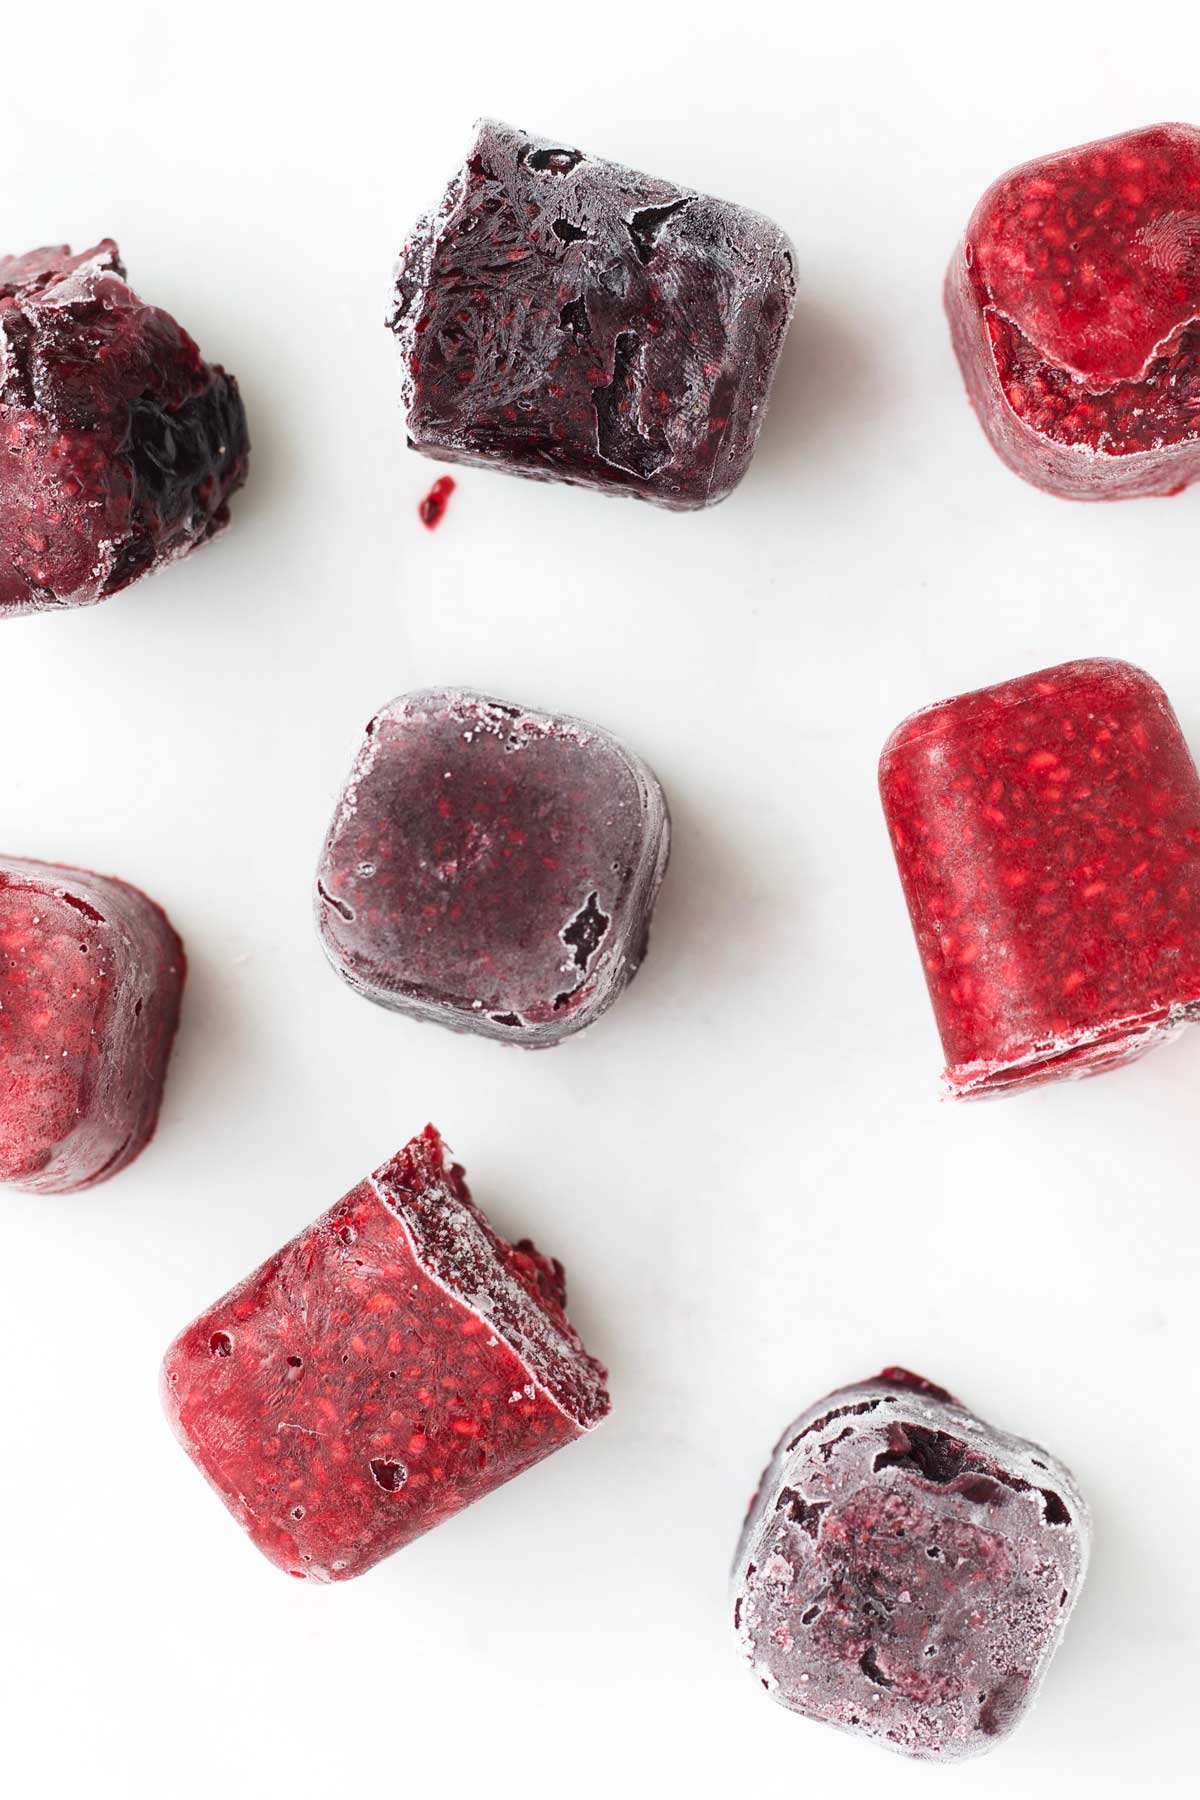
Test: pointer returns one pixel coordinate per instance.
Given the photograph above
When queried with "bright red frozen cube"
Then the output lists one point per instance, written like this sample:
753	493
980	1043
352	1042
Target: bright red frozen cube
1047	833
391	1364
1074	305
91	975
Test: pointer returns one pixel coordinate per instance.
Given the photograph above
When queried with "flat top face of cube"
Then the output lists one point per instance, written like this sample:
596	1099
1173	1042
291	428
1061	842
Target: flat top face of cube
518	1292
999	718
393	1363
490	860
56	981
907	1571
1095	253
1047	832
1086	266
578	320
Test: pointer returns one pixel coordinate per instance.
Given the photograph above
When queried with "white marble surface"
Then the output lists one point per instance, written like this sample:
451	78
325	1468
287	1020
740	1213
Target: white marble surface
745	1166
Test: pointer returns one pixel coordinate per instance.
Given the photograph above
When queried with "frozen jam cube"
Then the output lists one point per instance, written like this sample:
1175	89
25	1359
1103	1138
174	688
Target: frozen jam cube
1074	305
490	868
906	1572
123	446
568	319
391	1364
1047	833
91	975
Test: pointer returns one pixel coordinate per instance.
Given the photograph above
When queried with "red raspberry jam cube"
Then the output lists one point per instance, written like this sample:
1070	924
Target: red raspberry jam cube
564	318
1074	306
123	446
391	1364
91	976
906	1572
1047	833
490	868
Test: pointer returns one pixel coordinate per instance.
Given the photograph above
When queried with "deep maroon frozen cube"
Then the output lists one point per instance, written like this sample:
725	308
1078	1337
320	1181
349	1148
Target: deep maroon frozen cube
490	868
906	1571
393	1363
91	975
119	446
1074	305
569	319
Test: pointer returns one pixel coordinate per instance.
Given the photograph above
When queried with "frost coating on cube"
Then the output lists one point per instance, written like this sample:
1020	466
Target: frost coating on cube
119	446
1074	307
491	868
564	318
1047	835
394	1362
91	977
905	1571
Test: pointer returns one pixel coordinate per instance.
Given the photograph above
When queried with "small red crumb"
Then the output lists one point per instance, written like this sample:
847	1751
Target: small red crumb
435	502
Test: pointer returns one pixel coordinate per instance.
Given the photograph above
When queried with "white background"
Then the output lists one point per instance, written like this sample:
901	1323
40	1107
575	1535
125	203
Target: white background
745	1166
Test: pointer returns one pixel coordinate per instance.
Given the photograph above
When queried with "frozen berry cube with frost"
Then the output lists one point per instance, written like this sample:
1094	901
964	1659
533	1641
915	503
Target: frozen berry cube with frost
1074	305
1047	833
905	1571
391	1364
119	446
91	976
565	318
490	868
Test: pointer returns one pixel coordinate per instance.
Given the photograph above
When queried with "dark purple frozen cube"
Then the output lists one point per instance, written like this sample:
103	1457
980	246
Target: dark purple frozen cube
906	1571
119	445
565	318
490	868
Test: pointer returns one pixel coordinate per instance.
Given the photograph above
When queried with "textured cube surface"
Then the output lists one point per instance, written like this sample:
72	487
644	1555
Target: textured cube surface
565	318
490	868
391	1364
1074	304
905	1571
1047	833
119	446
91	975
